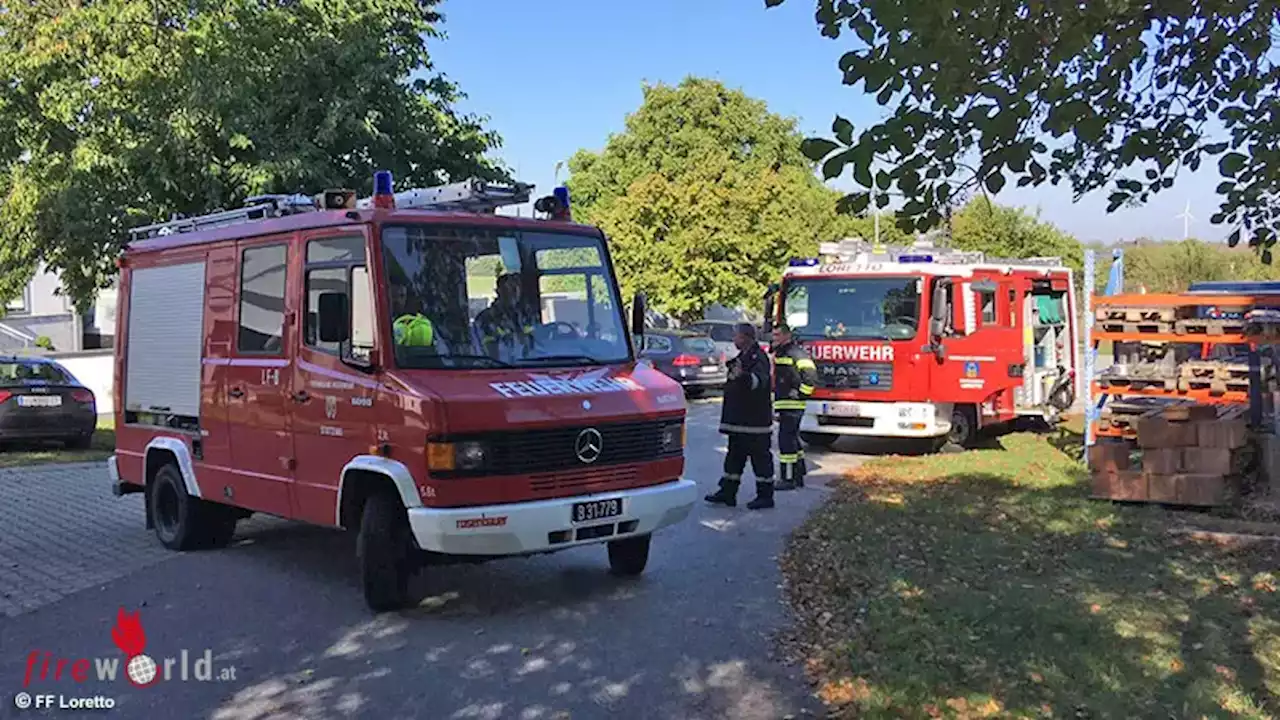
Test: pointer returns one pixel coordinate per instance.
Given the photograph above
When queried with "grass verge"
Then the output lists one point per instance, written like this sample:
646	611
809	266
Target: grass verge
104	443
987	584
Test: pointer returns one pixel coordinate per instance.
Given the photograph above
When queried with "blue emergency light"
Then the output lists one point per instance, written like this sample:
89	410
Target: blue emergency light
915	258
562	194
383	190
804	262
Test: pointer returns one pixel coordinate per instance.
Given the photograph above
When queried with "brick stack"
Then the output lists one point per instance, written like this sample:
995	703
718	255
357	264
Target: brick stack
1186	455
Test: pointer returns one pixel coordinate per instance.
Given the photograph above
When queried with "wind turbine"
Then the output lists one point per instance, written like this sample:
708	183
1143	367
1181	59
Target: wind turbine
1186	217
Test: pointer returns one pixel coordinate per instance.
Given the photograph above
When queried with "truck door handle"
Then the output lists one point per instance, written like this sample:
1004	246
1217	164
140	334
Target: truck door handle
236	392
301	396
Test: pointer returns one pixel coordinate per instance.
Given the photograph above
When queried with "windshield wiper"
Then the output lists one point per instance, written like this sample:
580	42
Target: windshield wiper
480	358
580	359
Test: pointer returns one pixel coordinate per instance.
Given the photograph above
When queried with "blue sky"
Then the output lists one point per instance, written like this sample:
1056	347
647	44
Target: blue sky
557	77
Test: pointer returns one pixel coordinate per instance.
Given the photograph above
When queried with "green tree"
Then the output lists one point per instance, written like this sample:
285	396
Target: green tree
119	113
1092	94
705	196
1012	233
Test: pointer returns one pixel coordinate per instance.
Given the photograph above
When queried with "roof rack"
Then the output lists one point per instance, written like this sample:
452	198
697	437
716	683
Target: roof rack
475	196
922	251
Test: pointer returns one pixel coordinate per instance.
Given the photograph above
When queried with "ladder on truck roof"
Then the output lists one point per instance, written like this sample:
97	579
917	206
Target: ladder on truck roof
475	196
856	249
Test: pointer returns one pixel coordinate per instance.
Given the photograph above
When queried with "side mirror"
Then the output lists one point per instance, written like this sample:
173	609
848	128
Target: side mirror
770	298
639	311
333	321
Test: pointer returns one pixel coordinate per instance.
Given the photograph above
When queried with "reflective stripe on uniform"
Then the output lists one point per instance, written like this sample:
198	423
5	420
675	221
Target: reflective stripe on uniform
731	477
806	389
746	429
789	458
784	361
788	404
805	364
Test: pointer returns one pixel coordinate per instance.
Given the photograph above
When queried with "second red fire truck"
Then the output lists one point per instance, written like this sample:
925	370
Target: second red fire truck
930	343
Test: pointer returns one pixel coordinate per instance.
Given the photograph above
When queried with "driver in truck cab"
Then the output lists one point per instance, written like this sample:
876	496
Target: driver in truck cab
504	322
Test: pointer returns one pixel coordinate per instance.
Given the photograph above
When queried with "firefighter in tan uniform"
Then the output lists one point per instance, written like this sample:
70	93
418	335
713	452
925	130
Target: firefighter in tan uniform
795	376
506	326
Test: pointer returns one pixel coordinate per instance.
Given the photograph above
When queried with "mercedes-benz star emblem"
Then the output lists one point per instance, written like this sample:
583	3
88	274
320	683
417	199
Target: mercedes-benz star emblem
588	446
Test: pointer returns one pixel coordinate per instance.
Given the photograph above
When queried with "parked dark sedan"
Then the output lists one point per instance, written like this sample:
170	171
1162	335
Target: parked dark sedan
691	359
40	400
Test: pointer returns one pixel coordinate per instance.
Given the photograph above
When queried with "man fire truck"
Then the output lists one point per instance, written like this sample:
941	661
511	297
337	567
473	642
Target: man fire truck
930	343
259	370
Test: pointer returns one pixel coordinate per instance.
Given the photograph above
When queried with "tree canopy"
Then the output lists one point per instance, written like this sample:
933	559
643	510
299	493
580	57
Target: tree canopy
705	196
118	113
1011	232
1118	95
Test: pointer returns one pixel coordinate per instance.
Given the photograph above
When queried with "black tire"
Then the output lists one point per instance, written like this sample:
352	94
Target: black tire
693	393
964	427
629	556
79	442
183	522
384	547
819	440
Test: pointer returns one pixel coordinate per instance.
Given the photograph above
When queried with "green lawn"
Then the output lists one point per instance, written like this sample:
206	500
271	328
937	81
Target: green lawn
104	443
987	584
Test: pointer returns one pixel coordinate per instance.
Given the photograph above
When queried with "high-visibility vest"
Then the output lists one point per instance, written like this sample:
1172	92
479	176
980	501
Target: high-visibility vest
414	331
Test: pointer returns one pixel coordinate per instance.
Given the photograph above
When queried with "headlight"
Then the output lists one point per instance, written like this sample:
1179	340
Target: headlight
447	457
673	438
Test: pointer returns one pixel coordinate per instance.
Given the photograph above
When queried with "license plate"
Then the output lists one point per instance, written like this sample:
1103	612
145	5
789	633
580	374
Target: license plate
710	368
597	510
842	410
39	401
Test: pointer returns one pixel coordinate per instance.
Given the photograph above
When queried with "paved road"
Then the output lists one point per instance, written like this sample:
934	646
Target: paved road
543	638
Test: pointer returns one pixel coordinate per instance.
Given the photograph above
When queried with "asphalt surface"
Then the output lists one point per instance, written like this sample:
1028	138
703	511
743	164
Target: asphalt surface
553	637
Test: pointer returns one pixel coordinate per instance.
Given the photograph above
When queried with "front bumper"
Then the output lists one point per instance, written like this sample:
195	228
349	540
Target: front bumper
546	525
876	419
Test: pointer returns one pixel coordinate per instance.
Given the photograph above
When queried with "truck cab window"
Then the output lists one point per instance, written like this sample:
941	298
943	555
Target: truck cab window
332	266
489	297
262	288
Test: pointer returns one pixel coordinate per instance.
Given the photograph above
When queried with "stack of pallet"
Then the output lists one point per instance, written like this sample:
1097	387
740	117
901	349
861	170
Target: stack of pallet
1184	455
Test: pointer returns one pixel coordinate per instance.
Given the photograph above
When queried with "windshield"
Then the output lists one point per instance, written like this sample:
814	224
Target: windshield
30	373
699	345
474	297
883	308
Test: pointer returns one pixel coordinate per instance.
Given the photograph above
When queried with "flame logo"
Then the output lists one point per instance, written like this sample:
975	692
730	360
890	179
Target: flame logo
131	639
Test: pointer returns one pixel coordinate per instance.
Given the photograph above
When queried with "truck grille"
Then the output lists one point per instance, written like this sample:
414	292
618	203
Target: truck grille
552	450
855	376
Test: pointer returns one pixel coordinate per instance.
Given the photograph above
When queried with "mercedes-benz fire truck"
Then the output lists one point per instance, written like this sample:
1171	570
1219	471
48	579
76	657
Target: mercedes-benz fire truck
448	383
927	342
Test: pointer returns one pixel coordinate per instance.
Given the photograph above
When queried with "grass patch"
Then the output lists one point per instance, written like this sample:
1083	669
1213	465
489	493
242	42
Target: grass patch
104	444
987	584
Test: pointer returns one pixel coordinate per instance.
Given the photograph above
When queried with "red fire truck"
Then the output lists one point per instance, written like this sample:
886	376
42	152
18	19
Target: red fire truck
388	366
930	343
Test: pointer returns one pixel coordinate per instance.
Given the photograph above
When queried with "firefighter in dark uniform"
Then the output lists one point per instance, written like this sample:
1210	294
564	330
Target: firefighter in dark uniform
795	376
506	325
746	417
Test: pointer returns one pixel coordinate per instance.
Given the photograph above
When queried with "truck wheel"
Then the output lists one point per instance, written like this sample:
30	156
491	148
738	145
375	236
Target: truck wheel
964	427
818	440
383	547
184	522
629	556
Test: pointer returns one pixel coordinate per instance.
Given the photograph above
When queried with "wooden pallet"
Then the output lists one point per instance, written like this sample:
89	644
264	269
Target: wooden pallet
1213	385
1137	383
1219	370
1209	327
1150	327
1136	314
